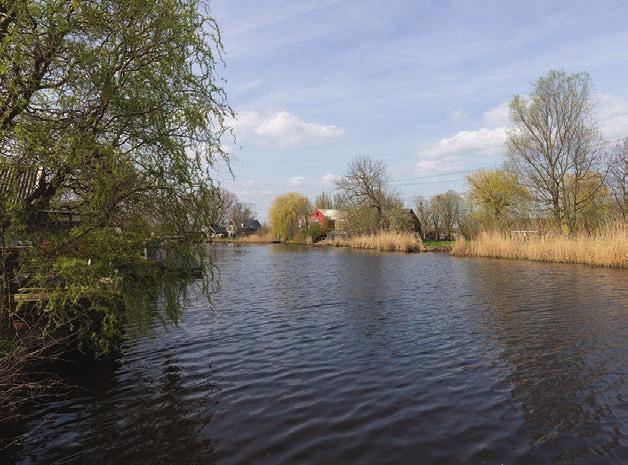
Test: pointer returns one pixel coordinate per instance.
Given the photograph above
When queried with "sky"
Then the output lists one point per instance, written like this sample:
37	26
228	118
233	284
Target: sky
421	85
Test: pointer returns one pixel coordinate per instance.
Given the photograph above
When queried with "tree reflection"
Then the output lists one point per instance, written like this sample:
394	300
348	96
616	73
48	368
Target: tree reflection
561	349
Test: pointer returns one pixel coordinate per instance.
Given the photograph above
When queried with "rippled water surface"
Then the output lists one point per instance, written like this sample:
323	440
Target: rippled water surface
328	356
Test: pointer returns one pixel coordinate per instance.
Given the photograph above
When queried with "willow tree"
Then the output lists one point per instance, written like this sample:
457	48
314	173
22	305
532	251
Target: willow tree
118	104
289	216
554	145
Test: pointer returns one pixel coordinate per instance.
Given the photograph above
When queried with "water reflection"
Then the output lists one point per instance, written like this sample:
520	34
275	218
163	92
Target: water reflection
562	349
323	356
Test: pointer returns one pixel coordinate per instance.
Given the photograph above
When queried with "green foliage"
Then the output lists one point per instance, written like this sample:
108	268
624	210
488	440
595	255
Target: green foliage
289	215
315	231
499	197
119	105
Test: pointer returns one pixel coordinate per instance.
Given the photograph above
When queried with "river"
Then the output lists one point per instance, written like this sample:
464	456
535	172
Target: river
332	356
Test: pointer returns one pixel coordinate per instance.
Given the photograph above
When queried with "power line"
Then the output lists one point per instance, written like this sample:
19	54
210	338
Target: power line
416	184
451	173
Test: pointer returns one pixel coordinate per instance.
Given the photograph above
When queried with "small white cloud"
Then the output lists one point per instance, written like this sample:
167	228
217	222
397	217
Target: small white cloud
328	179
612	114
457	116
296	181
284	129
496	116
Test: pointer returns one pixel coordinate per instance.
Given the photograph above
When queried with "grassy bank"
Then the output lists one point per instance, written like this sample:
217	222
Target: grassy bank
384	241
438	246
607	248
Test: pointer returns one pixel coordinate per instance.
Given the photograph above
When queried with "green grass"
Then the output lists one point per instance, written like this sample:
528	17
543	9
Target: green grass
438	243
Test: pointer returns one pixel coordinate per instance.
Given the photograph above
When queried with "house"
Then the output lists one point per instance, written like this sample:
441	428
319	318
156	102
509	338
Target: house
244	228
415	224
17	184
326	217
218	231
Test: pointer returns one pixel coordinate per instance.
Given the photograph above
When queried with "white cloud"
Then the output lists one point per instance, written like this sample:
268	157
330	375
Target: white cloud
284	129
457	116
296	181
612	114
465	148
484	141
328	179
496	116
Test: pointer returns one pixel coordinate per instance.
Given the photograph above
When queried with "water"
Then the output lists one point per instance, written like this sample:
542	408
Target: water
332	356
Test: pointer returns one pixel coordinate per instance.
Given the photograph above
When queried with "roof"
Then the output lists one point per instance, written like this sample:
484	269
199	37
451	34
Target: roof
252	224
17	182
329	213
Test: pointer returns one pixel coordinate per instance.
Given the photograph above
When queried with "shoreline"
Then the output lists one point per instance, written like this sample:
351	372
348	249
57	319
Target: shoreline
456	250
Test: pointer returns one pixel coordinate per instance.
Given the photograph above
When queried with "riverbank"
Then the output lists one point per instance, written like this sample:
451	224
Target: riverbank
267	238
385	242
607	249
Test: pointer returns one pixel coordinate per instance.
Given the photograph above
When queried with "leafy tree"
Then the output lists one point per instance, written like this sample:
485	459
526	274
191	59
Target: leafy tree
118	103
289	215
498	194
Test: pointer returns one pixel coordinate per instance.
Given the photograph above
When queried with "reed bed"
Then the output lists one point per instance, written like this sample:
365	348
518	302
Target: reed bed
262	238
383	241
606	248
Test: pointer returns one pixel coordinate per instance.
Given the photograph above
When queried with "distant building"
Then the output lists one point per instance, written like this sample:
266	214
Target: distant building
326	217
218	231
414	221
245	228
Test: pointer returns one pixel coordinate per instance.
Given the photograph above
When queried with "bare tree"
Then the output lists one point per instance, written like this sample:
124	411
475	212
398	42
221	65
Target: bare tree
448	209
554	144
223	203
616	180
367	183
424	214
241	212
324	201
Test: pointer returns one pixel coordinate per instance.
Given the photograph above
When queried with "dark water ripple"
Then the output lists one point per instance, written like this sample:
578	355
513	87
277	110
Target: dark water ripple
330	356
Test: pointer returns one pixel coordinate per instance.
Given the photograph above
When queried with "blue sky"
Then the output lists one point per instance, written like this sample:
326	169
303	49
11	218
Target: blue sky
422	85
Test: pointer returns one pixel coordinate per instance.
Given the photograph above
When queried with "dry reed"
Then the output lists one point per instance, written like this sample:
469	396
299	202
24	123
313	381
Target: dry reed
606	248
262	238
383	241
